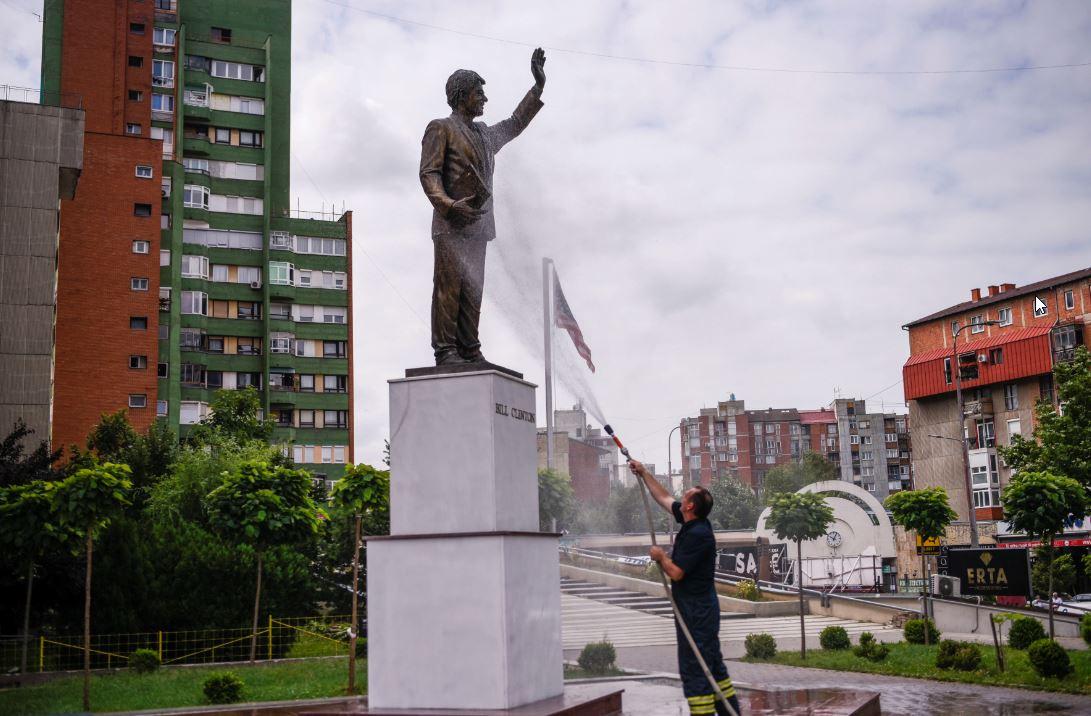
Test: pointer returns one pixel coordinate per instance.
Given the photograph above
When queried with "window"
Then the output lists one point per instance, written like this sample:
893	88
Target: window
280	240
164	299
223	135
132	128
867	471
1069	300
335	383
280	311
866	440
248	380
867	455
306	383
986	438
249	274
892	453
306	418
191	339
306	349
221	34
237	71
164	328
248	310
1011	396
138	283
281	342
947	371
163	36
162	73
135	61
138	362
237	204
303	277
986	498
249	139
869	486
890	437
996	356
327	453
281	273
191	412
164	257
162	102
304	314
977	324
195	196
194	266
324	247
138	400
136	96
248	105
854	439
144	172
333	349
335	418
1014	428
334	314
161	408
138	323
137	28
1004	316
195	303
195	165
1066	339
141	247
192	374
219	273
162	370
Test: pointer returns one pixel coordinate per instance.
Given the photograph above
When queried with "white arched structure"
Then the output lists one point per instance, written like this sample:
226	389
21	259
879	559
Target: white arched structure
860	521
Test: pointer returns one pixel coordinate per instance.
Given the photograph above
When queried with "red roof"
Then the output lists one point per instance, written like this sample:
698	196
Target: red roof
998	339
807	417
1026	353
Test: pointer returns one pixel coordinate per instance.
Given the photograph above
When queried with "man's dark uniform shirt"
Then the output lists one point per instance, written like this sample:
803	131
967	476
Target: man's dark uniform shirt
695	594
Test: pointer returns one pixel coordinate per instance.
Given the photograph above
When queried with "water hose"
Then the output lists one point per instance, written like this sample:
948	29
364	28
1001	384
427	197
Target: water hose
666	584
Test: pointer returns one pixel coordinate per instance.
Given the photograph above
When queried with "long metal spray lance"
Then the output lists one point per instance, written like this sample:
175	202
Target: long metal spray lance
666	585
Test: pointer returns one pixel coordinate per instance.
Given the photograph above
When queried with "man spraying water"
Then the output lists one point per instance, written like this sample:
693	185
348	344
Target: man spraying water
691	567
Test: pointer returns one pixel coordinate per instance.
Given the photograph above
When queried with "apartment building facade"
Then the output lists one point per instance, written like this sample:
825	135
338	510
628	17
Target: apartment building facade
182	268
1009	339
731	441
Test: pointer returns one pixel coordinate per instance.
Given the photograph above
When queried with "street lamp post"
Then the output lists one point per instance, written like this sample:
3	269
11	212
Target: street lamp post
670	476
957	368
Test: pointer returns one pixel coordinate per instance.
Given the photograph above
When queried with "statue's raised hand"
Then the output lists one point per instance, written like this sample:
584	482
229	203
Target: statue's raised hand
537	68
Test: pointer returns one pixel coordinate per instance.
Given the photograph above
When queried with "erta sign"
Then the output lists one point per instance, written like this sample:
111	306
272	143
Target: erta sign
992	571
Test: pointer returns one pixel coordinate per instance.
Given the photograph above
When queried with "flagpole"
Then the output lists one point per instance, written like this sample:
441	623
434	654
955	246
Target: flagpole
547	320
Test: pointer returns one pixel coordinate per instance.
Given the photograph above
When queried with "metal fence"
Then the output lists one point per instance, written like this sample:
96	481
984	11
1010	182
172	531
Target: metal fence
33	95
277	638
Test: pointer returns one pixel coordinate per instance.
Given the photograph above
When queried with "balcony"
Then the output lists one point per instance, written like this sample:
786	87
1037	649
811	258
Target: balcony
166	10
979	408
163	82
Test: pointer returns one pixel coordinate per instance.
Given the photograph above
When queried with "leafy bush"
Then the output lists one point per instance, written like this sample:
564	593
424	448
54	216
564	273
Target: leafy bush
597	657
871	649
748	589
223	688
761	646
1085	625
834	637
143	661
1049	658
957	655
1024	632
914	631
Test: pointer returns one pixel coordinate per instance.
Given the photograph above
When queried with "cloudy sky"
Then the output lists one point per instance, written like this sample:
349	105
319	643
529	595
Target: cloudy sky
717	227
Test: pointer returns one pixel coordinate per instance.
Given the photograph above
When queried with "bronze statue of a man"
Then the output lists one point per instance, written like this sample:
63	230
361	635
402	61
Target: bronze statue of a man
456	164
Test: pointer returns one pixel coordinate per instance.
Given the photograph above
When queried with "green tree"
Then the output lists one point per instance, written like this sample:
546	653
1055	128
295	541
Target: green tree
149	456
626	511
1061	443
362	490
927	513
790	477
17	467
1062	571
84	503
27	529
556	502
233	415
800	516
264	507
735	506
1037	504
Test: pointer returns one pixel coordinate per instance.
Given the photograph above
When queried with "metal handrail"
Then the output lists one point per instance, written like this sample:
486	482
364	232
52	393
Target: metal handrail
69	100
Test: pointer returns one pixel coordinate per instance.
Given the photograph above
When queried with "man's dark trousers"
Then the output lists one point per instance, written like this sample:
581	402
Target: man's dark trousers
703	619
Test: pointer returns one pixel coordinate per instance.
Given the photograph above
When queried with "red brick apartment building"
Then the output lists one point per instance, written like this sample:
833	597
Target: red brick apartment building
871	450
1005	369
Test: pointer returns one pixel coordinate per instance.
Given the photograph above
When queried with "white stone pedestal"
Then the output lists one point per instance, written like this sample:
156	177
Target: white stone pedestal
464	609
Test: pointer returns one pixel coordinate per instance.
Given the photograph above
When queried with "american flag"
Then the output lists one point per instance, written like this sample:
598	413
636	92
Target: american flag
562	316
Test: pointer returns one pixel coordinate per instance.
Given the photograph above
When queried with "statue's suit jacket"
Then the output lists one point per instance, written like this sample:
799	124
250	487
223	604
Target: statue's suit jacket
451	148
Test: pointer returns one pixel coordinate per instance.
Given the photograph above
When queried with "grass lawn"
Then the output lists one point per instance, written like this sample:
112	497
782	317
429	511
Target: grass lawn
574	672
919	661
182	686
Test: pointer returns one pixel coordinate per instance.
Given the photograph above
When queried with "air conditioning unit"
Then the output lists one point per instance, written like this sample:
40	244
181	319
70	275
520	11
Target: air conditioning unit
255	284
982	358
945	586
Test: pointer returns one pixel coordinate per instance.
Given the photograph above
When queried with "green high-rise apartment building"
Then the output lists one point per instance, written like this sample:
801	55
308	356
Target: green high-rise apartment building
192	99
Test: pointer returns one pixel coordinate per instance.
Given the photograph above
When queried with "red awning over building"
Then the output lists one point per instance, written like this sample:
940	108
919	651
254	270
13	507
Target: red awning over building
1010	355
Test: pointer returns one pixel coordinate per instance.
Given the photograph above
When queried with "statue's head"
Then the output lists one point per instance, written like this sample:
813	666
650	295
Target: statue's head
466	88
